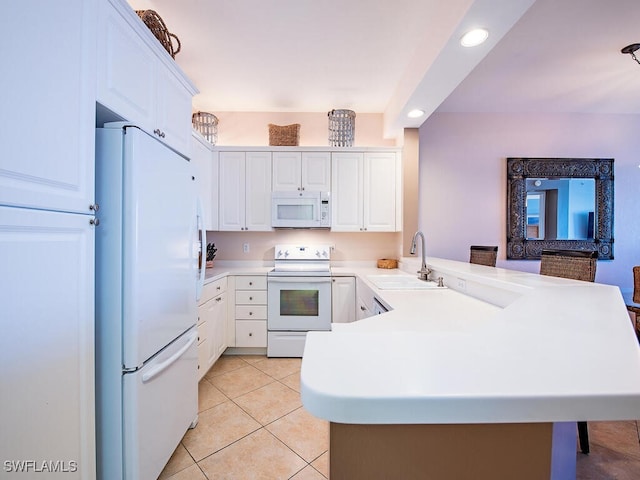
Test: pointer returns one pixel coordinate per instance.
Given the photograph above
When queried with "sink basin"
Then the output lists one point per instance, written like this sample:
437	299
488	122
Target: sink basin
400	282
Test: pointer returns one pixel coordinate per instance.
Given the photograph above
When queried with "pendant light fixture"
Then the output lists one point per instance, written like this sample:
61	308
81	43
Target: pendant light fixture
631	49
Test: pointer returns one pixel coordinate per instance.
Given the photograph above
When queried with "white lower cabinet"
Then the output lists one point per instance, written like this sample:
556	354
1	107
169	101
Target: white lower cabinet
250	311
364	300
343	299
212	324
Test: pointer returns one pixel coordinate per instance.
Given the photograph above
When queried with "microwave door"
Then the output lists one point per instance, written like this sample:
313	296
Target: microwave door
296	212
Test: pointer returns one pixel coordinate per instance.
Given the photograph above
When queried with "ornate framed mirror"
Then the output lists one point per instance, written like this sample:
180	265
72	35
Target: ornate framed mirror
563	203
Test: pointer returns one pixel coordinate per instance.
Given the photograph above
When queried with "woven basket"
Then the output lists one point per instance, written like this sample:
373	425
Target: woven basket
154	22
284	136
387	263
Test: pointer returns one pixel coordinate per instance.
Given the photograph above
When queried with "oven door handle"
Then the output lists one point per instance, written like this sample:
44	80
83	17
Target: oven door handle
300	279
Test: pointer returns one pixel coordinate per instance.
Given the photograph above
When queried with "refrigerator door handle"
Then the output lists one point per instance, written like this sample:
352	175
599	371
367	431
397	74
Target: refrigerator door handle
203	250
161	367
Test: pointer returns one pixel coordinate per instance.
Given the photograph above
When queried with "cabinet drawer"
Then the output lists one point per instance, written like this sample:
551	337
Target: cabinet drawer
251	282
251	312
251	333
251	297
213	289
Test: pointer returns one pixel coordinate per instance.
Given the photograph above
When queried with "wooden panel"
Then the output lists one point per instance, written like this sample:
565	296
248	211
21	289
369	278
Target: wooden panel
442	452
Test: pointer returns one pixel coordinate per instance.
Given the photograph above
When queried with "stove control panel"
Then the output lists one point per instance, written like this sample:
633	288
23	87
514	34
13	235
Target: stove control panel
303	252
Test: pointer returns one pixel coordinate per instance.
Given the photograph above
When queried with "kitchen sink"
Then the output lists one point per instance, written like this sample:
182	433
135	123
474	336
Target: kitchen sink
400	282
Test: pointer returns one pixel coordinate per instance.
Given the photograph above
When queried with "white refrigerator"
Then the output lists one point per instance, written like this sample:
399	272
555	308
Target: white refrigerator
148	279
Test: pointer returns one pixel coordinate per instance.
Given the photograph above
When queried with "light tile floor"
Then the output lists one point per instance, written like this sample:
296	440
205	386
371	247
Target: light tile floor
252	425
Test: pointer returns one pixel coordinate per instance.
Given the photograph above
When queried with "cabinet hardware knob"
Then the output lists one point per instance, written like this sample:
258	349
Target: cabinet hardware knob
250	334
250	313
250	283
94	207
362	308
219	299
218	287
250	298
94	221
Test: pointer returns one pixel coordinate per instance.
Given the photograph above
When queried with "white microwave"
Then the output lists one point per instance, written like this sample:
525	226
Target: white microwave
306	209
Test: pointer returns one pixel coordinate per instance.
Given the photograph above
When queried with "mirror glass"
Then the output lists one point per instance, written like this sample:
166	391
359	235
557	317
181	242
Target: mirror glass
560	208
559	203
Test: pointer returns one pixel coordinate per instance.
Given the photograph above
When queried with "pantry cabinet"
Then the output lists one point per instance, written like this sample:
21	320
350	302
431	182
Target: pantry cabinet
245	191
205	169
297	171
365	193
138	80
48	108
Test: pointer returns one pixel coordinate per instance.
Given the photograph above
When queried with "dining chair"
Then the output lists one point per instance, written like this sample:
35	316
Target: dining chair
576	265
633	304
483	255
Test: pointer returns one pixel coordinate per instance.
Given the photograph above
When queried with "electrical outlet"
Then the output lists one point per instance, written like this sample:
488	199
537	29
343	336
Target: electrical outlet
461	284
245	248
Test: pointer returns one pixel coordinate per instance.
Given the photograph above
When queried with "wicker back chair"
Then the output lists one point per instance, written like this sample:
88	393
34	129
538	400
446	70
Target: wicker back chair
576	265
483	255
573	264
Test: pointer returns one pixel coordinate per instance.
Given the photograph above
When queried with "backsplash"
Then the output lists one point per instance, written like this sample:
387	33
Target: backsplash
348	246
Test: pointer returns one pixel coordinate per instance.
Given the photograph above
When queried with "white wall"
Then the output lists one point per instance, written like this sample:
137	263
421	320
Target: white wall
463	179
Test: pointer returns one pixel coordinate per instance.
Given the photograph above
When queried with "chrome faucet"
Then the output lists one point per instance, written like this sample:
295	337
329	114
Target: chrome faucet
423	273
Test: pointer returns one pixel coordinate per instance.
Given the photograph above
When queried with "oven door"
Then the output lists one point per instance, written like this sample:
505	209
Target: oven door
299	303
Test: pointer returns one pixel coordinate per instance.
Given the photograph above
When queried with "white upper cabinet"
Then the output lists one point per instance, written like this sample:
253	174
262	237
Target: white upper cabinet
48	105
296	171
138	80
365	193
205	168
245	191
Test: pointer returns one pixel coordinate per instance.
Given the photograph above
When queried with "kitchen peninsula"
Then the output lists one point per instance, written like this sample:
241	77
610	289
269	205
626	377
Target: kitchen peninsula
484	379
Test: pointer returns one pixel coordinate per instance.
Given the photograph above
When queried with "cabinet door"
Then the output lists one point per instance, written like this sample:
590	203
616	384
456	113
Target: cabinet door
47	111
346	192
258	191
202	163
316	171
380	192
126	70
343	299
287	171
232	191
173	110
47	341
218	332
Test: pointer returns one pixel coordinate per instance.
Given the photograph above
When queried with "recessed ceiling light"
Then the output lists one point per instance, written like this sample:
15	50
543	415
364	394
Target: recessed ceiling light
415	113
474	37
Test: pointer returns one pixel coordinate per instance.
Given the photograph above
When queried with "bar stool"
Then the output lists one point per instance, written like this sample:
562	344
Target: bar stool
483	255
576	265
633	303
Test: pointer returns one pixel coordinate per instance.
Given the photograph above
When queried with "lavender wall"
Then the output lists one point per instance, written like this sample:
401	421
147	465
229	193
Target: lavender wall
463	187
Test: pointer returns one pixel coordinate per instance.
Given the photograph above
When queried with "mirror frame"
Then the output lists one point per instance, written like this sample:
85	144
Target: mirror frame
520	169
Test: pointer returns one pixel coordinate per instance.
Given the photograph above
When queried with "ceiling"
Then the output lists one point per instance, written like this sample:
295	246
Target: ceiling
390	57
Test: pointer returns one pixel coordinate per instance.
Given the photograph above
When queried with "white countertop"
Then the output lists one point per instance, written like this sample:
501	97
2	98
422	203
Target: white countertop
527	348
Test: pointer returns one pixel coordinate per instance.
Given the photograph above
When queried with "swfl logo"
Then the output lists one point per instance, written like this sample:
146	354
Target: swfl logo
26	466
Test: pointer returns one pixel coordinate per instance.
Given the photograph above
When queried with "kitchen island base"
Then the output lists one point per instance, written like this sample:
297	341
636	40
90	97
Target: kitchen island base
526	451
